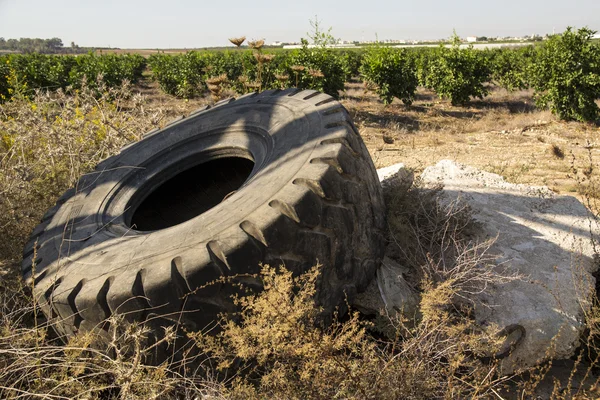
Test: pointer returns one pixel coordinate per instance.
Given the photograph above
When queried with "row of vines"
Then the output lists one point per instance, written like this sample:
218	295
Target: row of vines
564	71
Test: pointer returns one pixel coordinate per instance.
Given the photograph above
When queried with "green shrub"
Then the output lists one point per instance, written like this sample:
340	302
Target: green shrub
509	68
422	59
319	59
39	71
114	68
352	62
4	74
185	75
52	72
231	63
458	74
392	72
180	75
566	75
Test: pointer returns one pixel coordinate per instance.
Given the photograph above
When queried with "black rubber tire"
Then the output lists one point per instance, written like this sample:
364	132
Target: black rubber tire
313	195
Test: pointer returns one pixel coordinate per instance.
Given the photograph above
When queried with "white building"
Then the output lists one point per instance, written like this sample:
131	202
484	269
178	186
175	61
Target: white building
471	39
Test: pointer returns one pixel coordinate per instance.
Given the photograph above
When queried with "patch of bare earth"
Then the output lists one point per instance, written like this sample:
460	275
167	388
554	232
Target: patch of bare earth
504	134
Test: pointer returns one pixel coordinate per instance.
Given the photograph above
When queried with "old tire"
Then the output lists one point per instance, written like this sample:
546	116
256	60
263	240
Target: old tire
141	231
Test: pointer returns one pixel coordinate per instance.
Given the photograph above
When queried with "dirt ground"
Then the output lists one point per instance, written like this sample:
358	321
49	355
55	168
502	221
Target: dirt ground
503	134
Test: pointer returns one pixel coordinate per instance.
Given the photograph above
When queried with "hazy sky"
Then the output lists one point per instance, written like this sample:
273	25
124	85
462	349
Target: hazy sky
186	23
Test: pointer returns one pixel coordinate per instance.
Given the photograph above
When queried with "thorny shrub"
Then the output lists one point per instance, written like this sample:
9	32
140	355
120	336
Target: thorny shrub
49	141
91	365
278	351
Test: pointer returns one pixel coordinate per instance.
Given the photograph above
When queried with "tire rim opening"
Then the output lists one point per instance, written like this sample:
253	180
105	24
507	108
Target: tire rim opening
191	193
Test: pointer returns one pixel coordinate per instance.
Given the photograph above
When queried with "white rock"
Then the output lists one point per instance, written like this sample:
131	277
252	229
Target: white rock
546	238
390	172
396	175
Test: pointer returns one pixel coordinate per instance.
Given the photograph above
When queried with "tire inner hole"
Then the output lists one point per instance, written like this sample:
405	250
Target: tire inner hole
191	193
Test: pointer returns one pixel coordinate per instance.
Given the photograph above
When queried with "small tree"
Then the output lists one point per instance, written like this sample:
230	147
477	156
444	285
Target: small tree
566	75
392	72
318	36
458	74
322	68
328	69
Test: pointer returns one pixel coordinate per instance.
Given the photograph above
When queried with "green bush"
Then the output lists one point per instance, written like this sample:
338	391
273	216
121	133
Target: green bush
352	62
566	75
4	74
509	68
185	75
114	68
231	63
323	60
52	72
422	59
39	71
181	75
392	72
458	74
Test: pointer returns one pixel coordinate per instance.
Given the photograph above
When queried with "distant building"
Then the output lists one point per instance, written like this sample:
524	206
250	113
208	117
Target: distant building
277	43
311	46
471	39
596	36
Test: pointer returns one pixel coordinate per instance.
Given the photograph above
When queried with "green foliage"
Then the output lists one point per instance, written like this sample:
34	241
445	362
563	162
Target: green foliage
52	72
180	75
393	73
324	60
4	75
318	36
566	75
458	74
311	67
38	45
231	63
509	67
114	68
352	59
422	59
41	71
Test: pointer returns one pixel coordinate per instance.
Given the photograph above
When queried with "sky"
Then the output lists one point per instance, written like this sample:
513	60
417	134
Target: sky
193	24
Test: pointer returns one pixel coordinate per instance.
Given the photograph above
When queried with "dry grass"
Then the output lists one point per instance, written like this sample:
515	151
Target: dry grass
49	141
276	348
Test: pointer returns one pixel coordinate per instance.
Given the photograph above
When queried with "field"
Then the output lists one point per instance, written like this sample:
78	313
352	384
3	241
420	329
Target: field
49	138
503	134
